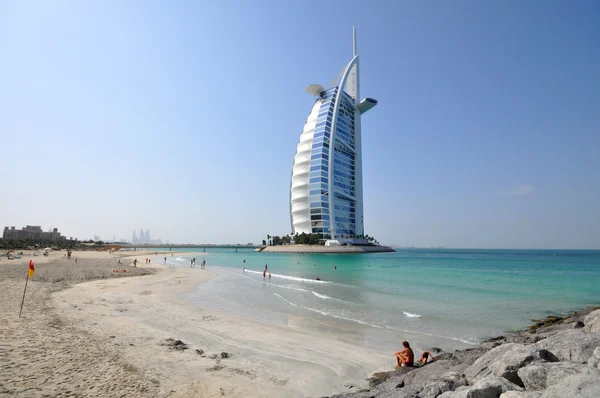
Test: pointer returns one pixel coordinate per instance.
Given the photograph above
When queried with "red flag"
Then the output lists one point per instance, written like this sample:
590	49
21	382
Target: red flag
31	269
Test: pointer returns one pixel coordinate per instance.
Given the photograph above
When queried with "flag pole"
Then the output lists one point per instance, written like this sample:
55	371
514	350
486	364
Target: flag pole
22	301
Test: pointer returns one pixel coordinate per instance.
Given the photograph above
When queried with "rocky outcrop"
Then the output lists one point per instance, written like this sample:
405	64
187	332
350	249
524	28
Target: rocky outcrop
521	394
574	345
594	361
540	376
556	358
582	385
486	387
505	361
592	322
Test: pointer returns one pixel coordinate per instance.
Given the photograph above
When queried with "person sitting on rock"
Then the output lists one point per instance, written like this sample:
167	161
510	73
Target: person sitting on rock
425	356
405	357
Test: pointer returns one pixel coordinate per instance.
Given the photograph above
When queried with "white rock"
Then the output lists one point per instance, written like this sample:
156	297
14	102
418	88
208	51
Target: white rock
521	394
539	376
573	345
592	322
582	385
487	387
505	361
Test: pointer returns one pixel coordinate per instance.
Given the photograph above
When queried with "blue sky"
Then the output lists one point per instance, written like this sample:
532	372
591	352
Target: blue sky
183	117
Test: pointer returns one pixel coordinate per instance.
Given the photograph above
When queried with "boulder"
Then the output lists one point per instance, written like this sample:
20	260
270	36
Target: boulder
573	345
539	376
521	394
487	387
446	382
594	361
468	356
592	322
578	325
582	385
506	360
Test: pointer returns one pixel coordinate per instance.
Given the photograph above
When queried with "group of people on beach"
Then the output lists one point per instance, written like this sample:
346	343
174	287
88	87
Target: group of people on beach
406	357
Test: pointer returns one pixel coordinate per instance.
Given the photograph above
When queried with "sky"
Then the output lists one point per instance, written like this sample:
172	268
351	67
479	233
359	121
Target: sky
183	117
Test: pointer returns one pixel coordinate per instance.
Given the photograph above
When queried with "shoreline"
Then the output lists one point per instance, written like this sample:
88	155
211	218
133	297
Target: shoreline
264	360
93	332
318	249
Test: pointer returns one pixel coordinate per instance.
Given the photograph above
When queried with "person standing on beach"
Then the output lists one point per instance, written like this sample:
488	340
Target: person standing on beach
135	263
264	274
244	270
269	276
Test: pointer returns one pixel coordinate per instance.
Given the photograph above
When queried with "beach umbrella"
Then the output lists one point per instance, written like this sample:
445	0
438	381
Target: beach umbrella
48	249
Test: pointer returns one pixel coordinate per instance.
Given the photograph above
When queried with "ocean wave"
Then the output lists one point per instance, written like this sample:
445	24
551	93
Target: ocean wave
328	313
288	277
181	259
411	315
320	295
469	341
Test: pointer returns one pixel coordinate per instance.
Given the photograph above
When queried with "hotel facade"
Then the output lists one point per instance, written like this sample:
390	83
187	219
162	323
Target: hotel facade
326	190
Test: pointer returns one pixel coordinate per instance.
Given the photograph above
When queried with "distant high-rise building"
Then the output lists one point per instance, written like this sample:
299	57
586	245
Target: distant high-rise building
134	238
148	240
326	190
142	238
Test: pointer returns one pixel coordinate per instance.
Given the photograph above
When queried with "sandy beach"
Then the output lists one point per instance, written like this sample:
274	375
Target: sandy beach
109	337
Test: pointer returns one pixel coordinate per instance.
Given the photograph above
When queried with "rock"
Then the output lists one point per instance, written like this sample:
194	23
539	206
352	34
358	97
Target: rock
594	361
582	385
225	355
521	394
578	325
539	376
469	355
395	375
199	351
486	387
176	345
435	389
506	360
573	345
592	322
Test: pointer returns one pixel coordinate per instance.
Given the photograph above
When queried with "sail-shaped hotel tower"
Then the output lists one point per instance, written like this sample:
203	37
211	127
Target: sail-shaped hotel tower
326	193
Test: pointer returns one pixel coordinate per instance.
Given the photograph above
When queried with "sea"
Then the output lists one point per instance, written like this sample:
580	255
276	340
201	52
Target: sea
437	297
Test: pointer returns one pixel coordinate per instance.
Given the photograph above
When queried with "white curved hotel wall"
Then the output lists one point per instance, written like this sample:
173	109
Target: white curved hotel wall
299	190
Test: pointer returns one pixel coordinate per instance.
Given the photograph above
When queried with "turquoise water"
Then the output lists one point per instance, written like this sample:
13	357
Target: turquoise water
455	297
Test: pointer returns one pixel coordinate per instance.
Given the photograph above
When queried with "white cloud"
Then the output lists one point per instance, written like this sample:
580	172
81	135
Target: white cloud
522	190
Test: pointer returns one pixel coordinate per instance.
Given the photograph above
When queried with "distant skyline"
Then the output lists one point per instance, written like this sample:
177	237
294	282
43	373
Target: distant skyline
184	117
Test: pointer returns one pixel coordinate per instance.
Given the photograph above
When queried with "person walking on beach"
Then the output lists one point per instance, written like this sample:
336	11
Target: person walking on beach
244	270
135	263
406	357
165	260
264	274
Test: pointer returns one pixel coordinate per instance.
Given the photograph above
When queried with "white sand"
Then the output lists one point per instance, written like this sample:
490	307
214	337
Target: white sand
141	312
